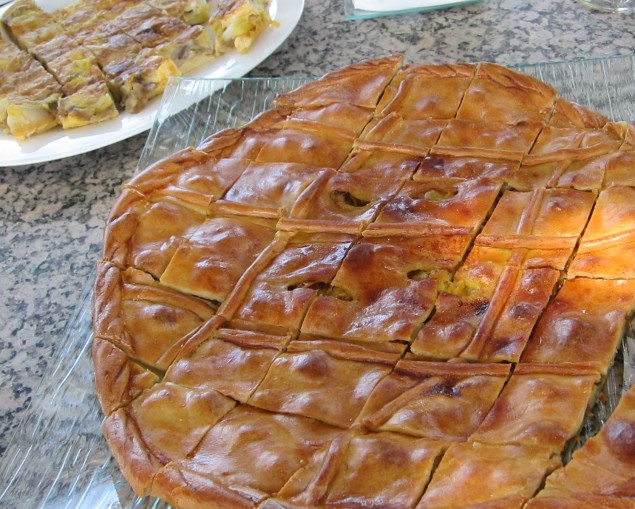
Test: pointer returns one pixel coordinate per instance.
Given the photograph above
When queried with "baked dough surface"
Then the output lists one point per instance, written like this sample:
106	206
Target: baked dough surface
402	287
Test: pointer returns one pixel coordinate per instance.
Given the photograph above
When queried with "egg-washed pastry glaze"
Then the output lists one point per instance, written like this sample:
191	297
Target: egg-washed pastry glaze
401	287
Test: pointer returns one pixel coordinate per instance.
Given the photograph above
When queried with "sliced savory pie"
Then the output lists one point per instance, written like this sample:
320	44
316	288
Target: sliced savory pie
28	94
401	287
105	56
237	23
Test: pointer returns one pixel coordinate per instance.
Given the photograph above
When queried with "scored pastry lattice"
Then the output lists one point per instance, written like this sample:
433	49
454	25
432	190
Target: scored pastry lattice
401	287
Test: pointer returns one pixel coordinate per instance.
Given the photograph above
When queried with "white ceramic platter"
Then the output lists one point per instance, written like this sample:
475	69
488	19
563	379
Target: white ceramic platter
59	143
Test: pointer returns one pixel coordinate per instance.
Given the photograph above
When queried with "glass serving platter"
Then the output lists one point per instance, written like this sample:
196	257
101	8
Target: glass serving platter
352	13
57	458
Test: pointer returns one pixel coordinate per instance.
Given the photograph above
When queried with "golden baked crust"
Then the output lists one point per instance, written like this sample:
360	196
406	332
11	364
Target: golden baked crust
231	361
583	323
436	400
254	452
541	405
387	471
604	464
473	473
398	288
279	297
322	379
141	317
118	379
488	311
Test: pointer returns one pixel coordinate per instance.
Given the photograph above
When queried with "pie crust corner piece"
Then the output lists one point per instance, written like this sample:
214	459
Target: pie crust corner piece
401	286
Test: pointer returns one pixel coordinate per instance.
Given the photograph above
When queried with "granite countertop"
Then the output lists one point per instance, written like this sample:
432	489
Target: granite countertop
52	215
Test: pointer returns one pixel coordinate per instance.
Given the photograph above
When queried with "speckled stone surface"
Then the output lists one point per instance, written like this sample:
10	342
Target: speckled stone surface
52	215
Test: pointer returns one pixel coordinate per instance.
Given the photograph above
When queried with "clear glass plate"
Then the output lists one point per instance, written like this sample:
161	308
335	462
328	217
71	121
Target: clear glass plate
58	458
351	13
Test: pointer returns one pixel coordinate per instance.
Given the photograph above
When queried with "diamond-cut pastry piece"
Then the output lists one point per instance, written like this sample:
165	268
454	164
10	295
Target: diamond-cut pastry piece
427	91
471	474
384	289
545	222
340	202
629	137
277	141
118	379
326	380
394	133
554	144
164	424
606	246
341	115
570	157
570	114
142	317
231	361
496	140
314	145
145	235
281	294
384	470
360	84
488	311
519	98
521	297
210	262
604	464
541	405
438	166
203	490
584	323
254	453
619	169
243	143
380	164
441	401
585	174
189	177
446	206
460	307
267	189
